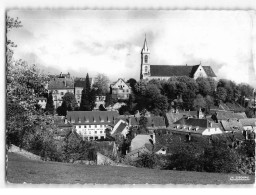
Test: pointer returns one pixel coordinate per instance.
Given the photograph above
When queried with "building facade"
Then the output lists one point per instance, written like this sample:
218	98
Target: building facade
120	90
59	87
92	125
164	72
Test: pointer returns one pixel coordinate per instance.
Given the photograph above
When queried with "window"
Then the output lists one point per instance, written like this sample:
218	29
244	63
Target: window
95	126
95	132
100	131
85	126
146	59
89	126
146	69
100	125
61	93
79	126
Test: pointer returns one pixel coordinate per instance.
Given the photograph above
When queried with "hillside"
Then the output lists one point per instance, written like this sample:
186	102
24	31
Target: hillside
22	169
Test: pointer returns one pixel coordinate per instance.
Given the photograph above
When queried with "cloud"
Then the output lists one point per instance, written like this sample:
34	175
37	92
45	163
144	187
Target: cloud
110	41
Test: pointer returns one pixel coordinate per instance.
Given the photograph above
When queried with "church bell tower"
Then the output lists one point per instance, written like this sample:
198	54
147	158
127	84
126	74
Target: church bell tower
145	66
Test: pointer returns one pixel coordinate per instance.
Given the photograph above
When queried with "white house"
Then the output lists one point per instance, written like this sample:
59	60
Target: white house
59	87
248	123
197	126
120	127
120	89
92	125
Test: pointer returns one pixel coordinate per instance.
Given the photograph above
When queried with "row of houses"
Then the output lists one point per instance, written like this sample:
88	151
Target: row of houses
92	125
59	85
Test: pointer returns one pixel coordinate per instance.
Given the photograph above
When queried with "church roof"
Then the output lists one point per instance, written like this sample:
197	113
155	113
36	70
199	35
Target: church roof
178	70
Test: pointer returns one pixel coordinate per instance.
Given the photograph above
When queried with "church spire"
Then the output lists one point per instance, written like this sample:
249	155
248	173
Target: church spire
145	46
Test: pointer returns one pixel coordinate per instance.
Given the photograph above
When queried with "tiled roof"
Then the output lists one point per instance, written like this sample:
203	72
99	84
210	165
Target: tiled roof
178	70
139	141
166	71
248	122
153	121
61	83
229	115
231	125
120	128
92	117
80	82
208	70
193	122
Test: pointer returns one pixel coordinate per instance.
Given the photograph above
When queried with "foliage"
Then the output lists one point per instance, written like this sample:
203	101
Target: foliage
70	100
88	96
101	83
132	83
146	160
199	102
204	86
62	110
49	104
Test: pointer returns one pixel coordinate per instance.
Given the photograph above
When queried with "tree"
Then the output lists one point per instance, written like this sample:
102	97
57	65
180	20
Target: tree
88	96
62	110
132	83
199	102
143	122
221	94
204	86
70	100
23	85
209	103
160	105
101	84
49	104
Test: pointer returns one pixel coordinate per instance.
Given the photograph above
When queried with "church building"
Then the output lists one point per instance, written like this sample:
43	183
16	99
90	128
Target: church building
162	72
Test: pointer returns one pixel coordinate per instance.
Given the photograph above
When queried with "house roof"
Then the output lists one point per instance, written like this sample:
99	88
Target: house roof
248	122
120	128
92	117
141	149
178	70
153	121
229	115
112	85
231	125
61	83
81	82
140	140
203	123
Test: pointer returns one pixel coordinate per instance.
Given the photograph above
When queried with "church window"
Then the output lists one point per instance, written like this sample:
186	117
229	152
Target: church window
146	59
146	69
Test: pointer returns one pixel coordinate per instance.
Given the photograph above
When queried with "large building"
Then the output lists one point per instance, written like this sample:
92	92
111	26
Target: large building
161	72
59	87
91	125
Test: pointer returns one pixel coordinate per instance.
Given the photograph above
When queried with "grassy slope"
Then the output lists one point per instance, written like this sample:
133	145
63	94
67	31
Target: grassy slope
21	169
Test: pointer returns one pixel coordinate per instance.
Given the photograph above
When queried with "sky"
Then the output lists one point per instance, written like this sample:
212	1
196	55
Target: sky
110	41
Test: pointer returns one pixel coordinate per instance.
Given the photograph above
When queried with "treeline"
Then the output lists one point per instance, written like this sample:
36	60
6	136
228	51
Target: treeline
159	96
202	156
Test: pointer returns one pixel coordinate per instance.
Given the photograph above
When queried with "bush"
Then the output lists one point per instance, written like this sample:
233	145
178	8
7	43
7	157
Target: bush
219	159
147	161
